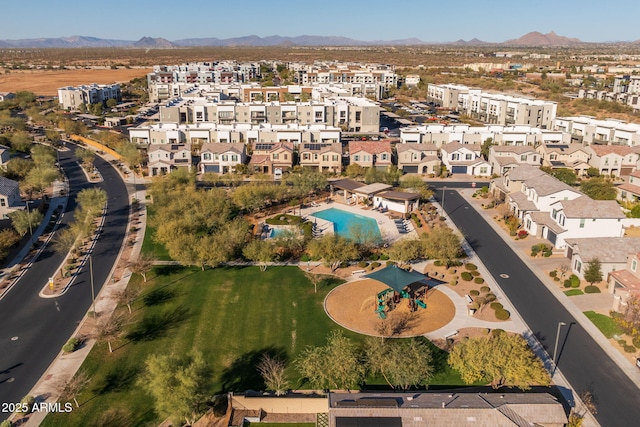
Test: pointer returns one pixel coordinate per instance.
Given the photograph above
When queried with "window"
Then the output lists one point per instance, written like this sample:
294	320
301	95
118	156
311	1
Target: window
384	156
468	157
634	264
275	156
334	157
578	266
356	158
225	157
484	170
306	156
3	202
581	222
523	158
206	156
455	156
234	157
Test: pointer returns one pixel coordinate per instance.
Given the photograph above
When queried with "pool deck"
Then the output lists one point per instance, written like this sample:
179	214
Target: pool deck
387	227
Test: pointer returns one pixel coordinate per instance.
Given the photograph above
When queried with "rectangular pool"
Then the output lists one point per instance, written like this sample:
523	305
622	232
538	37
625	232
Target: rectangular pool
350	225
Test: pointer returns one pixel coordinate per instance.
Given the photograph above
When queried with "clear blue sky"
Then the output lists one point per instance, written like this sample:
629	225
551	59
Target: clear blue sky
428	20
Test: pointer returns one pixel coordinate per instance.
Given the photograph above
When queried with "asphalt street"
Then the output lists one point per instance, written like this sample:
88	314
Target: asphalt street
582	361
32	329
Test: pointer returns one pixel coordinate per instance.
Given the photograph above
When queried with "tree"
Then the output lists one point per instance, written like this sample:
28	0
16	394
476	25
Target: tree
129	295
334	249
415	184
53	136
21	141
18	168
593	172
273	373
111	102
402	363
75	385
8	238
593	271
599	189
337	365
109	328
43	156
25	221
568	176
502	360
177	384
629	321
486	146
131	155
441	243
354	170
86	156
316	279
40	177
405	251
260	251
142	265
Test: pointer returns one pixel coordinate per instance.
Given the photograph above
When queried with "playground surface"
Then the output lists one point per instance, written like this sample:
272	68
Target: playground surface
353	304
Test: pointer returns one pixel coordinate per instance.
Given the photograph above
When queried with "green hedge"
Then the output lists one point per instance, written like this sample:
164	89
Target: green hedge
592	290
575	281
496	305
502	314
375	264
478	280
466	276
470	266
485	289
71	345
497	332
474	293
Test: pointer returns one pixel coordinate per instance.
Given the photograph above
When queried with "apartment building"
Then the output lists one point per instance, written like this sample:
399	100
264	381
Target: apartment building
627	84
465	134
339	72
626	98
492	108
71	97
589	130
357	115
201	133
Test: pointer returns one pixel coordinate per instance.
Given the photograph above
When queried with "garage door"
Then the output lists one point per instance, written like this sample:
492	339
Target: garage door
212	168
410	169
551	236
458	169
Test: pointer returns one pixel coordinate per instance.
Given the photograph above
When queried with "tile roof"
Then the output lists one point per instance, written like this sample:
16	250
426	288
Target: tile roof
523	203
606	249
603	150
543	218
546	185
371	147
455	146
525	172
401	148
222	147
516	149
635	189
586	207
627	279
8	186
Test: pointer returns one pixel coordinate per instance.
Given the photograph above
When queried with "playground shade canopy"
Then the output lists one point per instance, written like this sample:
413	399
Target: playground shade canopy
396	278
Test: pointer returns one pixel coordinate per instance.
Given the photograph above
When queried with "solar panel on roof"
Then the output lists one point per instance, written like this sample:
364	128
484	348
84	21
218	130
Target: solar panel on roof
368	422
264	146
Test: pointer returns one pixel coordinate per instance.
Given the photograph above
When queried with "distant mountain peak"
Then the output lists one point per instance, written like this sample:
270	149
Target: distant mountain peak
153	42
550	39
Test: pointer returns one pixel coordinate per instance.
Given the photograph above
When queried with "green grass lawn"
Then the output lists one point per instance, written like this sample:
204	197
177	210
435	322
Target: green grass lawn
606	324
572	292
232	315
154	249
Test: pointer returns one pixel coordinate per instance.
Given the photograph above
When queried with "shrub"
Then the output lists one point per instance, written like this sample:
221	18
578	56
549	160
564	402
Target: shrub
535	249
6	423
478	280
453	282
533	254
513	233
496	305
546	254
374	257
363	264
29	400
71	345
553	273
437	263
474	293
388	263
475	273
502	314
470	266
496	332
592	290
485	289
454	263
556	279
567	283
629	349
452	271
466	276
522	234
575	281
636	341
305	258
622	342
375	264
384	257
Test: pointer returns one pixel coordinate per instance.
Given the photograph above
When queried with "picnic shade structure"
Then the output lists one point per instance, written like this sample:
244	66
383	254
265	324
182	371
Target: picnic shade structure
396	278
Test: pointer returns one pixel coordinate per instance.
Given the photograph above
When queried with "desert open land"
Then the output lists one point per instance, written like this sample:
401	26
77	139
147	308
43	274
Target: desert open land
46	83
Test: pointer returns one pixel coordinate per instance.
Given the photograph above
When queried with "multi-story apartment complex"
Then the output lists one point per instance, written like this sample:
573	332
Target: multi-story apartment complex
492	108
465	134
588	130
627	98
627	84
71	97
205	133
162	79
358	115
337	72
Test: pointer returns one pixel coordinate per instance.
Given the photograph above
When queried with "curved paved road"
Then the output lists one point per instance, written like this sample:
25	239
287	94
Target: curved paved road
42	326
582	361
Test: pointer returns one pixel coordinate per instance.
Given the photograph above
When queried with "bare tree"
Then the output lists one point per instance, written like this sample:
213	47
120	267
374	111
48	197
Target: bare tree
75	385
142	265
273	373
563	269
109	328
129	295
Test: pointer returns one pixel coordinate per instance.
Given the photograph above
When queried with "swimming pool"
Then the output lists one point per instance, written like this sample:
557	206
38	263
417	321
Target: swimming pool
346	222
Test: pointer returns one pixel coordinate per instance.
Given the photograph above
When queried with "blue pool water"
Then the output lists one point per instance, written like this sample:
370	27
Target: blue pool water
344	222
275	232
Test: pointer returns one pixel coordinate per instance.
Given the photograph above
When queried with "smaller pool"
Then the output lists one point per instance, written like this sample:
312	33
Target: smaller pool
353	226
275	232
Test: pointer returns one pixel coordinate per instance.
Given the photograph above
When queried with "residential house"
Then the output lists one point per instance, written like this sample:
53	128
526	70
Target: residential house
272	157
5	96
464	159
418	158
445	409
577	218
165	158
321	157
9	197
612	252
625	283
220	157
512	180
505	157
4	156
369	154
565	156
630	190
613	160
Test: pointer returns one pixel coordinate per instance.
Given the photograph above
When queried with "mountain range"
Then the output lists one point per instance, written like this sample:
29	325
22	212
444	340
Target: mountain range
532	39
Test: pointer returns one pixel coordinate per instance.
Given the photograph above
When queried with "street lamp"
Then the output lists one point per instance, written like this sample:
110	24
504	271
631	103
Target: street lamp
555	347
29	218
442	204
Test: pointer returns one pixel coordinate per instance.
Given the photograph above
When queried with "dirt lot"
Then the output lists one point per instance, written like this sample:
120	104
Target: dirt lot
46	83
